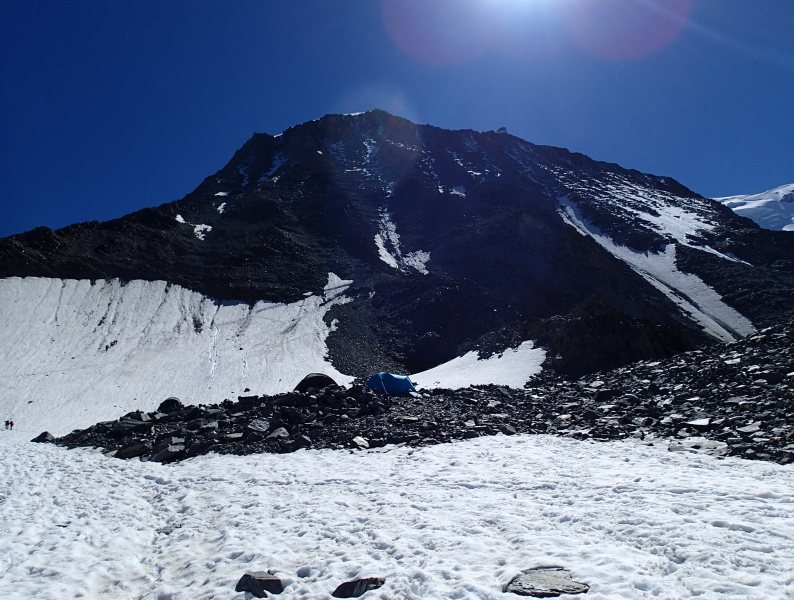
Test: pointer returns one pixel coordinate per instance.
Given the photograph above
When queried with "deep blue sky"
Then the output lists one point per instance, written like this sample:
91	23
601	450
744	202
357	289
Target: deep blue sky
107	107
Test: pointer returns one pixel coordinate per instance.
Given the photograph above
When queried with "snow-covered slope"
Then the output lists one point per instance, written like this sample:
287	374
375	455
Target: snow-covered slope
773	209
77	352
452	521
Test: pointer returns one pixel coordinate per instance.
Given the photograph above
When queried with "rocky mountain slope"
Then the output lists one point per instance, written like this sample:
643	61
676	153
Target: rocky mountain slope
453	241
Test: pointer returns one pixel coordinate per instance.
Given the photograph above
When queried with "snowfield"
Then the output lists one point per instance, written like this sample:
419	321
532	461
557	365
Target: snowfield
453	521
78	352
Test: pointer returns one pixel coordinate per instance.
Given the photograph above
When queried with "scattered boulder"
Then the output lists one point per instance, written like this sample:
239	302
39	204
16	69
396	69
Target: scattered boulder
280	433
170	405
260	426
545	582
43	437
260	583
169	454
357	587
134	450
360	442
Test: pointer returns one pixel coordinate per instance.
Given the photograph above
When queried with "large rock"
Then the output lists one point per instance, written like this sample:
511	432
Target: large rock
169	454
126	425
545	582
45	436
134	449
261	426
170	405
259	583
280	433
357	587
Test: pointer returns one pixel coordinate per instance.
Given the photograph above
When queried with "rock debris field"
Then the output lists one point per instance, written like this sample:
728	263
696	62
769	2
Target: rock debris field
726	400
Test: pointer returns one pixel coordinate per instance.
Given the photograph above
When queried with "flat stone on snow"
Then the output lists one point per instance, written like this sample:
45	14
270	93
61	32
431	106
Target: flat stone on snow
357	587
259	582
545	582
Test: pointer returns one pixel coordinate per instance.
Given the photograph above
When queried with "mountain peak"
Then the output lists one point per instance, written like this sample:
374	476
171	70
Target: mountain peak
453	241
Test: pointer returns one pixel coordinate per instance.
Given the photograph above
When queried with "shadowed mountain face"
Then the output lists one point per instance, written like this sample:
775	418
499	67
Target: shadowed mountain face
454	240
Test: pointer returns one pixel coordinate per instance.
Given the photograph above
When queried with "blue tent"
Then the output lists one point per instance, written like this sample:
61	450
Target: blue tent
391	384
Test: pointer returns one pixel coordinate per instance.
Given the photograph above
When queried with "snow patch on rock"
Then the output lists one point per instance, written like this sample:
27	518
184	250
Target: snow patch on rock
387	241
201	230
688	291
512	368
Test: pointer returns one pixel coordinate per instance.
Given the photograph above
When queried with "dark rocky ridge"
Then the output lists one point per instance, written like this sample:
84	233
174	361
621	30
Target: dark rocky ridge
727	399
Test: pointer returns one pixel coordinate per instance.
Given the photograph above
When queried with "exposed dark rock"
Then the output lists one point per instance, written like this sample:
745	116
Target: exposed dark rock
545	582
45	436
134	450
260	583
170	405
169	454
357	587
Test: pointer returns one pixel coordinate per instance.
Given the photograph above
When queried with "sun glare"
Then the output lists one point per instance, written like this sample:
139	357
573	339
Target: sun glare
445	32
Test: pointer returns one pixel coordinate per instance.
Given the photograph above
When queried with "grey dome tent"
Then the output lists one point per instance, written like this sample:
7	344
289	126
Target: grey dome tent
315	380
391	384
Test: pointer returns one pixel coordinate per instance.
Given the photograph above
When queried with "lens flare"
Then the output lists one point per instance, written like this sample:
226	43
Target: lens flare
439	32
625	29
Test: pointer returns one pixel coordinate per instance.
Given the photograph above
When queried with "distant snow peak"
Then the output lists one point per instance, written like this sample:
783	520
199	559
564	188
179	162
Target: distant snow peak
222	194
180	219
221	208
703	304
387	240
773	209
201	230
459	190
